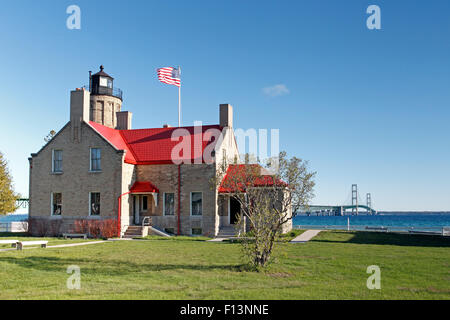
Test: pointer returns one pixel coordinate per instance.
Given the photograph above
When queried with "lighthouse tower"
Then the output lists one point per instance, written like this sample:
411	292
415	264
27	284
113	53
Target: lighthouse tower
106	102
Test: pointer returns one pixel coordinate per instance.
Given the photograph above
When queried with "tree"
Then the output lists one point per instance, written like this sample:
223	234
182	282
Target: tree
50	136
7	195
268	195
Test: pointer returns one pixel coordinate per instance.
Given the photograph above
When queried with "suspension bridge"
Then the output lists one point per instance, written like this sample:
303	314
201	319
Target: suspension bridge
22	203
355	208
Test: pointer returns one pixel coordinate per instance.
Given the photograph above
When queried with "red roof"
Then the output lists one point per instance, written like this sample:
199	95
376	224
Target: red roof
143	187
247	175
154	146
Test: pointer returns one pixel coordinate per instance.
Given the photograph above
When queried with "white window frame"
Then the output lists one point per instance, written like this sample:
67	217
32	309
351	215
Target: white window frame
90	159
164	204
190	204
90	207
52	212
53	161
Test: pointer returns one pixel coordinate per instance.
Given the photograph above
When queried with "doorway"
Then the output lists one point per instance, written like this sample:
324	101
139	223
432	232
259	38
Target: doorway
136	211
235	210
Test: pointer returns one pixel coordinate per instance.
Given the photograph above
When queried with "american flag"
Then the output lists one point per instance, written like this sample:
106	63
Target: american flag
169	75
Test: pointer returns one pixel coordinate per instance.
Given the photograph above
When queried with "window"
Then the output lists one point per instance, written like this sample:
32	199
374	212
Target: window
96	156
56	204
57	161
103	82
170	230
169	204
144	203
196	203
196	231
94	204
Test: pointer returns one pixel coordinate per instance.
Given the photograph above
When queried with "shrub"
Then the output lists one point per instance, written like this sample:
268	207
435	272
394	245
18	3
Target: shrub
53	228
96	228
37	227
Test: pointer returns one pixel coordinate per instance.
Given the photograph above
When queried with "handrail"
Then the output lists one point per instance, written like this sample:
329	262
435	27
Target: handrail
149	221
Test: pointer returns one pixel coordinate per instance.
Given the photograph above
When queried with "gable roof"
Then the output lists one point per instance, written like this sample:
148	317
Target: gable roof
154	146
239	177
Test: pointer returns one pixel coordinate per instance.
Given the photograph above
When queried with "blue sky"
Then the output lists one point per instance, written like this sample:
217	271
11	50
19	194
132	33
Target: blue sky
363	106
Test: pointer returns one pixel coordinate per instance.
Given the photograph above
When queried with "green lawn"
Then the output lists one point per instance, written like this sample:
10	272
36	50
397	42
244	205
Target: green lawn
332	266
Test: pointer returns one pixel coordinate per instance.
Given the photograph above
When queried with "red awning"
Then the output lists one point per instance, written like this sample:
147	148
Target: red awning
143	187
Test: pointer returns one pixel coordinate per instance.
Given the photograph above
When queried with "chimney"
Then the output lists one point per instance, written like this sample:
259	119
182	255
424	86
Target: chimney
226	115
79	111
124	120
79	105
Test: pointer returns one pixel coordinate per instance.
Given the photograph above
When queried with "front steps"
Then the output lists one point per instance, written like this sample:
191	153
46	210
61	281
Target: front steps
135	232
139	231
226	232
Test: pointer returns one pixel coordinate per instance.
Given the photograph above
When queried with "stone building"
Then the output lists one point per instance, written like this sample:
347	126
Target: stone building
97	167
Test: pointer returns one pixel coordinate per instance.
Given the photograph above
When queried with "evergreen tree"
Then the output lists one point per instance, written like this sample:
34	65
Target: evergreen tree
7	195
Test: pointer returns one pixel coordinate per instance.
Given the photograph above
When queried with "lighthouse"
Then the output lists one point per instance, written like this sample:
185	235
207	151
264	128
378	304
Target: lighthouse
105	100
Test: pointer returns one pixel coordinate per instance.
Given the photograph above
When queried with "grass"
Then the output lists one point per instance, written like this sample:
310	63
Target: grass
331	266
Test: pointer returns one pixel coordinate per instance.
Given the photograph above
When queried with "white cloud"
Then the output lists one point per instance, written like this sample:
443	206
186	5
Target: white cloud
276	90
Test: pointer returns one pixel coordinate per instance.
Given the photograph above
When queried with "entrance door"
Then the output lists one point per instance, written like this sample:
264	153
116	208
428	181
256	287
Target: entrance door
235	210
136	210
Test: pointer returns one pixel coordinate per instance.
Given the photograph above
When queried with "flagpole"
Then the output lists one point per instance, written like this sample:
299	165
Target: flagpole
179	99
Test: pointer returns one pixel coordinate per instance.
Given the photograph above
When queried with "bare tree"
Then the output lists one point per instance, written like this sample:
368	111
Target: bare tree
268	197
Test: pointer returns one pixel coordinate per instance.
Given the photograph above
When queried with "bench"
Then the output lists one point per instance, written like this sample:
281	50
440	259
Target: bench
22	244
13	243
75	235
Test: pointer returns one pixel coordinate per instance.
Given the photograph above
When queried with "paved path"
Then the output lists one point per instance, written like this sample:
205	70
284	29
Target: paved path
217	240
75	244
59	245
306	236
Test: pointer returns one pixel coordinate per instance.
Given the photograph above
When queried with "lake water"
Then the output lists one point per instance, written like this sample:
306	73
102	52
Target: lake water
13	218
402	221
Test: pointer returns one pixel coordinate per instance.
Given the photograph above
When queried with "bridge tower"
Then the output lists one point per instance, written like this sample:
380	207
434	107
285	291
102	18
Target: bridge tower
369	202
355	199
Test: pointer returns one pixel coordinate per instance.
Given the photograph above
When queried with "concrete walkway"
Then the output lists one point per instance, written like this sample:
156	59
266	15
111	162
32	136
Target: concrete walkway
217	240
306	236
58	246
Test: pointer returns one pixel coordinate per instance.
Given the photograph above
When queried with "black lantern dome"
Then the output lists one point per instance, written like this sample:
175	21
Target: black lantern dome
102	83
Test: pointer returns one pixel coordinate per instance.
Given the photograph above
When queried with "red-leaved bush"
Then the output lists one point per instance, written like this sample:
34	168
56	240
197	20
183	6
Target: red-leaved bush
96	228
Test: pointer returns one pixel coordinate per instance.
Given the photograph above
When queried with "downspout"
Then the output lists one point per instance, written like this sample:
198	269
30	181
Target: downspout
119	224
179	197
